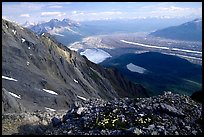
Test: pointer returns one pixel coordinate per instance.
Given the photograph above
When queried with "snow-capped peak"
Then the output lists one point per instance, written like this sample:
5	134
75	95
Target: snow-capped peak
54	20
66	20
28	24
55	26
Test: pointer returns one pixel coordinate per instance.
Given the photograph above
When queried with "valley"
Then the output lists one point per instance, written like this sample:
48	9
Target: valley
123	50
107	47
118	44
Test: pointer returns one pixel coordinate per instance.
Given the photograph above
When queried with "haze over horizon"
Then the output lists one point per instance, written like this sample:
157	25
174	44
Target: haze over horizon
86	11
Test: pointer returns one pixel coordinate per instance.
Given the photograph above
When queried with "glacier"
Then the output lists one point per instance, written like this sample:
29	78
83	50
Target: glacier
135	68
96	55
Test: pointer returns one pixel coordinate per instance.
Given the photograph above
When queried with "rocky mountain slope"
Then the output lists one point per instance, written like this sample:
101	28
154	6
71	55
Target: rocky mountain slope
167	114
38	73
190	31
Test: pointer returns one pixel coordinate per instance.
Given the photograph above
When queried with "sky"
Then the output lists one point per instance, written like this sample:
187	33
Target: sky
35	12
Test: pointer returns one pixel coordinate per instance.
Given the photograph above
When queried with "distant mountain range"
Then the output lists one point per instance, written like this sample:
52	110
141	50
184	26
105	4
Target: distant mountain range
190	31
68	31
54	26
65	31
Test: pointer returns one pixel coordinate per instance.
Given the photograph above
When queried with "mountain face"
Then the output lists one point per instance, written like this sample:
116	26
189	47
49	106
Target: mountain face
190	31
38	73
159	72
54	26
60	30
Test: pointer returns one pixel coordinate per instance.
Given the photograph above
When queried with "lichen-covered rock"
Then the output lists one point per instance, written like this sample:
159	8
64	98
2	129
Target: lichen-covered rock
166	114
170	109
145	116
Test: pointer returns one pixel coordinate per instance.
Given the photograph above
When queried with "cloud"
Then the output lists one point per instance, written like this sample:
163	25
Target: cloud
167	10
31	6
59	14
74	12
55	7
25	15
173	8
177	11
106	13
79	15
60	3
41	11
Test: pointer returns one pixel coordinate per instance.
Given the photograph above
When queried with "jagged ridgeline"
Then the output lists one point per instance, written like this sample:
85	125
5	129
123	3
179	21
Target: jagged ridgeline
39	73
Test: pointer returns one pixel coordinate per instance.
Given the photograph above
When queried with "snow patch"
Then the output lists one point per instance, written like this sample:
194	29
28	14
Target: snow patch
50	91
23	40
135	68
6	26
14	32
71	30
50	109
96	55
144	45
184	50
83	98
43	34
75	49
159	47
58	34
28	47
28	63
141	115
14	95
190	57
12	79
76	81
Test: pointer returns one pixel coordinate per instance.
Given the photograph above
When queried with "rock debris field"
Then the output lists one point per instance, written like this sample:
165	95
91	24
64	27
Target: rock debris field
168	114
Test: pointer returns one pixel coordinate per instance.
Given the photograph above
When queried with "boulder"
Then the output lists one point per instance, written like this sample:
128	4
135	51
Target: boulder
56	122
171	110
